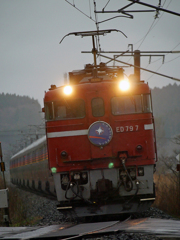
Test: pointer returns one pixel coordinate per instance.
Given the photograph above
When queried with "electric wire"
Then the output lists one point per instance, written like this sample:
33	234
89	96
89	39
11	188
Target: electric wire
105	5
152	26
175	57
73	5
165	62
90	9
147	33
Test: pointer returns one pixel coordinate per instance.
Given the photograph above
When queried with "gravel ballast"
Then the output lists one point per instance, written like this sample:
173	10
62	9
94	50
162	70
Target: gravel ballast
44	210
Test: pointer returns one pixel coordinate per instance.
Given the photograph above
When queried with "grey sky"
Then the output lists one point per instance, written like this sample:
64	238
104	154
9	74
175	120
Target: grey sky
31	58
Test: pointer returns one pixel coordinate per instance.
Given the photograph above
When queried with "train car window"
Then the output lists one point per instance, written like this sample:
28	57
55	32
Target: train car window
33	156
147	103
69	109
126	105
41	154
97	105
25	159
36	155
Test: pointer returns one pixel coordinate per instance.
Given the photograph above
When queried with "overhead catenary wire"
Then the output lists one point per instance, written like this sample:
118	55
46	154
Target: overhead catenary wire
131	65
151	27
143	39
157	8
106	5
165	61
73	5
90	9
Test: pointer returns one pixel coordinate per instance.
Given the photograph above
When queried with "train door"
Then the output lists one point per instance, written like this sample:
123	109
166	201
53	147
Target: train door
100	132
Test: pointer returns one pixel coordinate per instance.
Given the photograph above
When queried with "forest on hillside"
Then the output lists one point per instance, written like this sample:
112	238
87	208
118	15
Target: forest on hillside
18	111
20	119
166	110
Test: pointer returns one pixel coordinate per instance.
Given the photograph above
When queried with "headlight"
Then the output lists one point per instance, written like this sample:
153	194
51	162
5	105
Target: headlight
76	176
124	85
67	90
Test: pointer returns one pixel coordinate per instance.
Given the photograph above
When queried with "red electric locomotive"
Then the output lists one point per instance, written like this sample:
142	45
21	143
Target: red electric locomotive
101	142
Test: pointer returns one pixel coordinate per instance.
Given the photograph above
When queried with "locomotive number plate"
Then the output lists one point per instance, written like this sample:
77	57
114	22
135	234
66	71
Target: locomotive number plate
132	128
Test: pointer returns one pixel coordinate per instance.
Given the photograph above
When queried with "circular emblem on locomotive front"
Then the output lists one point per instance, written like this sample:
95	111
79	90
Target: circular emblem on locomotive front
100	133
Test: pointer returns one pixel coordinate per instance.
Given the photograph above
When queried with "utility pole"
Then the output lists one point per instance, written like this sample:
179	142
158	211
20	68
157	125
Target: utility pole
137	65
4	193
2	166
178	169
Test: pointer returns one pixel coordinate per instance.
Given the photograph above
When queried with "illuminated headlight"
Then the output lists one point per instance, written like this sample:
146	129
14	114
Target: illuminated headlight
124	85
140	171
76	176
67	90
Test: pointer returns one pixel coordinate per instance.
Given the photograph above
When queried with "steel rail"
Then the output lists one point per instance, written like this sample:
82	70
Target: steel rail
97	232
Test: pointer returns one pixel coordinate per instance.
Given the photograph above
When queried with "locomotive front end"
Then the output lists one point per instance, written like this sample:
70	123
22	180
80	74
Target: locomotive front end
101	143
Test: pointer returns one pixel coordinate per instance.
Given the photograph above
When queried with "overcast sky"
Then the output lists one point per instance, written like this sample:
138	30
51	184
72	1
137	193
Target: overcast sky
31	58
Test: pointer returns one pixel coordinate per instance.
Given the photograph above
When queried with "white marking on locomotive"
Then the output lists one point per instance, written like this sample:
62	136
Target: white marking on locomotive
148	126
67	133
100	131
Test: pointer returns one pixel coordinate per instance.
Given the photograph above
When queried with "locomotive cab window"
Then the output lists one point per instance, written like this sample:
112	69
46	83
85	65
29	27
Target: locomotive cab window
65	109
147	103
130	104
97	105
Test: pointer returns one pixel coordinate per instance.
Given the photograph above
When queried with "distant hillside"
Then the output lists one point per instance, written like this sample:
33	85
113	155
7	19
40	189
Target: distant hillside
166	109
17	113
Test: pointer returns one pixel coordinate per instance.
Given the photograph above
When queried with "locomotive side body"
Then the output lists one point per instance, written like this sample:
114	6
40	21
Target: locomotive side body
101	145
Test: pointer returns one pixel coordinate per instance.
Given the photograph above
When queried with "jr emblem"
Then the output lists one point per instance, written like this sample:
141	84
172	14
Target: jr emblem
100	133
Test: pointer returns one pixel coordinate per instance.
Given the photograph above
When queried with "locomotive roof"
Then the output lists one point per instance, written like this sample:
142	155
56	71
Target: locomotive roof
31	147
55	93
96	76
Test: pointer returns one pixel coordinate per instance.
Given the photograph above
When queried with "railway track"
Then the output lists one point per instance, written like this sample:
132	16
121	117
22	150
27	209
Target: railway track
143	228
